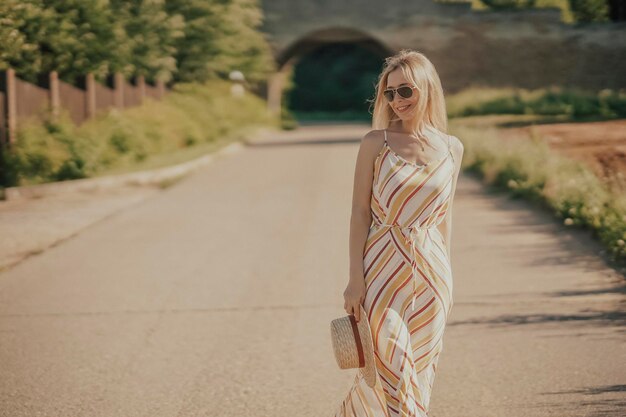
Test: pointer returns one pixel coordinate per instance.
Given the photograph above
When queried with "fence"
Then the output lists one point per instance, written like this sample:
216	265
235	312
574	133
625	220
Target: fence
20	100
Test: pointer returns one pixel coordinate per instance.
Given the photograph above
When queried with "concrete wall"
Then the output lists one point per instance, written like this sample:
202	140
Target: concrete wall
529	49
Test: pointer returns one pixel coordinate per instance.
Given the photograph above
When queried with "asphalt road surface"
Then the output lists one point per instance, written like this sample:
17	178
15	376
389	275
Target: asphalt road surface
214	298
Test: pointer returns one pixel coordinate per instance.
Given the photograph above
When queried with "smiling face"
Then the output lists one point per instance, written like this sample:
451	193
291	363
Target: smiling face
403	107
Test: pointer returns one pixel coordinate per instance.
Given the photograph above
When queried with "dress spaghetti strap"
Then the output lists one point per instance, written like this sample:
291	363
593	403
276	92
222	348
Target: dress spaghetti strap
450	147
449	144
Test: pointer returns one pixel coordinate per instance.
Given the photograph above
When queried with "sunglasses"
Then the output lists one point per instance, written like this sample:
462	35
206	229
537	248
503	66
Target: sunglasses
405	92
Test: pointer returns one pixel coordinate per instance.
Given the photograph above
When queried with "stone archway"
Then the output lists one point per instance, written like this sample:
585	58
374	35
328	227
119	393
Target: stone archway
527	49
309	42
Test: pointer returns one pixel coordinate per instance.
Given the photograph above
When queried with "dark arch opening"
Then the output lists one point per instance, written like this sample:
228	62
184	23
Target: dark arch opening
323	37
333	75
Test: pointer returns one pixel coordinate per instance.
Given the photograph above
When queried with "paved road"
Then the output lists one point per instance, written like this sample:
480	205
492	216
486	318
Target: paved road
30	226
214	298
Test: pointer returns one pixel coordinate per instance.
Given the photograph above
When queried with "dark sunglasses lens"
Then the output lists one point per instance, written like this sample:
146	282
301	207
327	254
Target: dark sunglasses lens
388	95
405	92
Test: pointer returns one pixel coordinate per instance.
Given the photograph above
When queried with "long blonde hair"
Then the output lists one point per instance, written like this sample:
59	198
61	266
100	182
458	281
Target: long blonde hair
430	107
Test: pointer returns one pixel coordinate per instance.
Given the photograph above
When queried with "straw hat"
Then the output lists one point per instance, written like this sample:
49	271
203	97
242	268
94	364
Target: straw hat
353	345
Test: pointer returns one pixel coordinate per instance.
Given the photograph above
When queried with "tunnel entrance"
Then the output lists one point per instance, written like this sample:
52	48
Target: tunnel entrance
328	75
333	82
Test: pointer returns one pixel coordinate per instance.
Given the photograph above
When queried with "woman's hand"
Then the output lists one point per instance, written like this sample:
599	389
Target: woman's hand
354	295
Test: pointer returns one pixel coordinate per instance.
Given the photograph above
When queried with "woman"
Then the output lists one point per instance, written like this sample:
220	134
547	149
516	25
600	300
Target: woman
400	231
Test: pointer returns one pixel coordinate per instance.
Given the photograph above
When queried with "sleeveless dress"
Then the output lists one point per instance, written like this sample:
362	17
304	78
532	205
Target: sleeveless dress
408	278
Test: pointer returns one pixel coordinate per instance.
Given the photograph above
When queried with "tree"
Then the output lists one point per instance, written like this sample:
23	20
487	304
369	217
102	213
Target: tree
151	34
80	38
191	40
22	26
220	36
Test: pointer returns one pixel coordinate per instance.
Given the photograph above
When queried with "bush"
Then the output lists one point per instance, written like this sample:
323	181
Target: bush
528	169
192	114
574	103
590	10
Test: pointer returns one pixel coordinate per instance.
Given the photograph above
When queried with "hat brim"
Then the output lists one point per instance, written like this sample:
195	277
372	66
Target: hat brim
369	372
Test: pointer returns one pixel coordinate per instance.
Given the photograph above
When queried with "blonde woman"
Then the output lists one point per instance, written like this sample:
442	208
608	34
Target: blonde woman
400	235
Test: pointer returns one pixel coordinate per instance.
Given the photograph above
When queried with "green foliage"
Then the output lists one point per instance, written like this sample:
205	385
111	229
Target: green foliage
566	11
21	25
8	169
590	10
120	141
528	169
191	115
573	103
288	120
571	10
189	40
72	37
151	36
220	36
72	168
190	139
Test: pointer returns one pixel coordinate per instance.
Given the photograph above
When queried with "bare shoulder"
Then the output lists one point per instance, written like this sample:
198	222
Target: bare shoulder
374	135
372	141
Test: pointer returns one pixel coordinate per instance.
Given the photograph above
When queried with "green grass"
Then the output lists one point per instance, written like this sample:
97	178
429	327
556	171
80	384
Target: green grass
567	16
529	169
190	121
567	104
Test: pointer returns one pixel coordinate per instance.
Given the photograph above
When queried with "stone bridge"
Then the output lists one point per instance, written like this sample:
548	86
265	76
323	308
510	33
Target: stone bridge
527	48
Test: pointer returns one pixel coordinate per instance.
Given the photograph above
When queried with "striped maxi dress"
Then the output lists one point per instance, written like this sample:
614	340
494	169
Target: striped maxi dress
408	278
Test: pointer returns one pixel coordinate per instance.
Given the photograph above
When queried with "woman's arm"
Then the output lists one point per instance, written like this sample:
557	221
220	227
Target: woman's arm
361	218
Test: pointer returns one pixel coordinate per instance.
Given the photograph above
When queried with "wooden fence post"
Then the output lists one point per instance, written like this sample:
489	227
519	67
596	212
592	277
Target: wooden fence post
55	98
118	85
11	105
90	99
4	136
141	83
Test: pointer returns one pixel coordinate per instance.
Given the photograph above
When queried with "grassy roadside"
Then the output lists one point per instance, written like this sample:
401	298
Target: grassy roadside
527	168
564	104
185	154
190	121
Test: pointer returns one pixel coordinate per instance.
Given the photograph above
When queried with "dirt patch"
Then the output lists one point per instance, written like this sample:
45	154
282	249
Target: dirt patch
599	145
